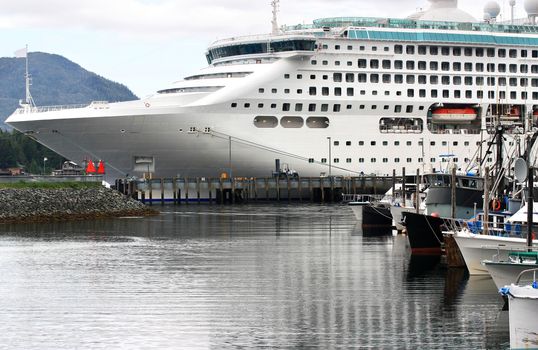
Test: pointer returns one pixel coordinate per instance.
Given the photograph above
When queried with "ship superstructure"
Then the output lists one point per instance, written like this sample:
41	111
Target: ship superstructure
343	96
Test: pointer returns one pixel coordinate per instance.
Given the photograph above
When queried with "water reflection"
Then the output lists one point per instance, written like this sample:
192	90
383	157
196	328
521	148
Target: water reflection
198	277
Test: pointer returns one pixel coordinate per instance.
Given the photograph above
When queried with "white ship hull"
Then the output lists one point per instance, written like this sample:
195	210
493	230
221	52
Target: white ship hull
477	248
523	308
506	273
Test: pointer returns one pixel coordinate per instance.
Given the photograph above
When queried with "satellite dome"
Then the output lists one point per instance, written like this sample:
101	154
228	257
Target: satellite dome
531	6
492	8
446	11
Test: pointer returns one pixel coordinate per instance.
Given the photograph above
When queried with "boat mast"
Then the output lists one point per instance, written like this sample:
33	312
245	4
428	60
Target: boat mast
274	22
29	101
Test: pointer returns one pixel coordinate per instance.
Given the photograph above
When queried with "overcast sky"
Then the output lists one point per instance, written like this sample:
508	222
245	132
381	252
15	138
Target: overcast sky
146	44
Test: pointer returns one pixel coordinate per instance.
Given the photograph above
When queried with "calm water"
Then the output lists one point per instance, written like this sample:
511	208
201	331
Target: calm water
235	277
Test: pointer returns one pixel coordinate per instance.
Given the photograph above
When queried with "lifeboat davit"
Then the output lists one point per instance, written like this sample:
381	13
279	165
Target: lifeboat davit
454	115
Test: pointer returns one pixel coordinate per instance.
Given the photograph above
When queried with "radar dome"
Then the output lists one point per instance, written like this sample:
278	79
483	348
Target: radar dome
492	9
531	6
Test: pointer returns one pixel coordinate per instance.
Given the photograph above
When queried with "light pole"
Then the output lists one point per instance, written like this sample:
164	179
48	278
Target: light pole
44	161
329	138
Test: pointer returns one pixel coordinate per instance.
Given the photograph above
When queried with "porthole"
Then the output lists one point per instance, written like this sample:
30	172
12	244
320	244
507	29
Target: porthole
291	122
265	122
317	122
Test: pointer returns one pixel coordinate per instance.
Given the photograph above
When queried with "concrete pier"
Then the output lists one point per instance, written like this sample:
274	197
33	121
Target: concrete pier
243	190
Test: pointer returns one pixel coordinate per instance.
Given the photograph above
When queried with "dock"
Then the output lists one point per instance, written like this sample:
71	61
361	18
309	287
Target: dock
245	190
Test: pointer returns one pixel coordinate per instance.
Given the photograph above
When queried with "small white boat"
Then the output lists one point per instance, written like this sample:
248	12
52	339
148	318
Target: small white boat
523	308
506	272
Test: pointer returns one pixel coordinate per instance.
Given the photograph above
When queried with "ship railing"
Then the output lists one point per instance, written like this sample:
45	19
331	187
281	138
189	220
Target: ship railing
42	109
490	228
358	197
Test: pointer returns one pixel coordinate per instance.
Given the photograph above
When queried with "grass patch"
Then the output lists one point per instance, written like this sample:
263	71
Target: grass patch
50	185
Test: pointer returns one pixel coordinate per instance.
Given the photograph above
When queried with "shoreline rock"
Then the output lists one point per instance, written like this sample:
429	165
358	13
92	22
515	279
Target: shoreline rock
46	205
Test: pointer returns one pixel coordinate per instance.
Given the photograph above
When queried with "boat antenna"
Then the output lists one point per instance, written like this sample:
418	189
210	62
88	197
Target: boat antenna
29	101
274	22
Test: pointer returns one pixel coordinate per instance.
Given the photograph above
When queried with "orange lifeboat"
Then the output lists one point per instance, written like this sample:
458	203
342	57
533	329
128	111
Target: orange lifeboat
454	115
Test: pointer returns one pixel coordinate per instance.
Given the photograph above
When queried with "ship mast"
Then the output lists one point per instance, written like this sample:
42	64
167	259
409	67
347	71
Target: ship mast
274	22
29	101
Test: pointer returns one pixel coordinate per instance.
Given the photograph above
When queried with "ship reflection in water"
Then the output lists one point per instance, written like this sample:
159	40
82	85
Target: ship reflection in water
222	277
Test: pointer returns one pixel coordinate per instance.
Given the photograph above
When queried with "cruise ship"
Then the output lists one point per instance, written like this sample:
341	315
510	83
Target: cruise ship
341	96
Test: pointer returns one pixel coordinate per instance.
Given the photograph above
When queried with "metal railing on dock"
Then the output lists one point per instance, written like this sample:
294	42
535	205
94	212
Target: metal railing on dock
241	190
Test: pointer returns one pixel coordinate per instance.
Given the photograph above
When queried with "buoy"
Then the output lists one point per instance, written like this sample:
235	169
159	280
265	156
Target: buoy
90	169
101	167
496	204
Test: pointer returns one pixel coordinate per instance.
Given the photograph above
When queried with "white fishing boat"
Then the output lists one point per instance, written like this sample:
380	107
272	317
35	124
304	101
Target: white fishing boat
523	308
505	272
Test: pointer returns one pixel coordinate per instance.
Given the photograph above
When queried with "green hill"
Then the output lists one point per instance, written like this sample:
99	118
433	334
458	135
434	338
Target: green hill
55	81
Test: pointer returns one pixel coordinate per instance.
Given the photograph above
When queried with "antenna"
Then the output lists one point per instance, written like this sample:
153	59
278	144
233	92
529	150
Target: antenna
29	101
274	22
512	4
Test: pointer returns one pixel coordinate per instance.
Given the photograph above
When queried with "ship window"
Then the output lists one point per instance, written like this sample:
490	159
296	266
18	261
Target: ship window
396	160
260	105
274	91
512	53
312	90
445	66
299	91
534	68
298	107
456	66
336	63
299	76
523	53
432	143
336	160
409	109
234	105
385	143
524	68
324	107
457	80
324	63
422	50
337	47
325	91
513	68
361	107
444	143
350	92
501	53
337	77
362	63
348	160
361	143
374	78
349	106
337	91
317	122
468	94
350	77
456	51
336	143
386	64
479	52
445	80
362	48
372	143
432	160
491	52
398	79
349	63
468	51
314	62
286	76
422	79
398	64
273	105
310	160
285	107
291	122
261	90
468	67
445	51
410	49
446	94
324	160
312	76
410	79
433	93
397	109
312	107
534	53
265	122
422	65
373	160
349	47
398	49
386	107
410	93
433	50
348	143
361	160
434	65
409	160
374	48
480	94
385	160
410	65
286	91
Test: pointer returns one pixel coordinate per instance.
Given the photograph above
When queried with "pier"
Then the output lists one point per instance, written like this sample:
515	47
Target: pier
244	190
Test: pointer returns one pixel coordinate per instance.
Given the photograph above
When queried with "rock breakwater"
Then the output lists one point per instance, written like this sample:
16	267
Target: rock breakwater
37	204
